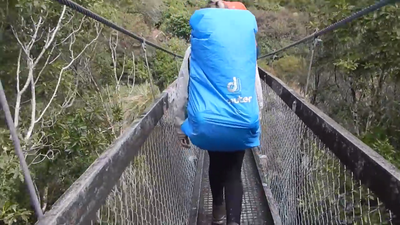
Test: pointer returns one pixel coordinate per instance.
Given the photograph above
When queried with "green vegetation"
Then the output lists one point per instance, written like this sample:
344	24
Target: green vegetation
74	86
354	79
355	74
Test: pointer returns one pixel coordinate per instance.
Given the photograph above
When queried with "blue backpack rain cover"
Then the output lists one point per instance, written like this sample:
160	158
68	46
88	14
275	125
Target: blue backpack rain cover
223	113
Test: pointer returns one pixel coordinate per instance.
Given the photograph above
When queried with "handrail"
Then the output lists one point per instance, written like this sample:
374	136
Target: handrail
79	204
375	172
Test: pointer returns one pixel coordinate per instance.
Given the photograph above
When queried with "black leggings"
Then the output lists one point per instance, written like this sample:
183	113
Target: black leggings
225	172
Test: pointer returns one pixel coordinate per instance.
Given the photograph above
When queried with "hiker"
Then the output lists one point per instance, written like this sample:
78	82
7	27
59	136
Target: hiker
219	99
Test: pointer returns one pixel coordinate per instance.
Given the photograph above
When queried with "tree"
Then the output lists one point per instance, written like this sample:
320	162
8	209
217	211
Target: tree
74	87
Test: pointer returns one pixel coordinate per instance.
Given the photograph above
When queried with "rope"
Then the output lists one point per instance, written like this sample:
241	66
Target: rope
148	70
335	25
28	180
311	62
108	23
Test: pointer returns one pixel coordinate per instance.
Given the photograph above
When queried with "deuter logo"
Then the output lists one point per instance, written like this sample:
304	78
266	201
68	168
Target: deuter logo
240	99
234	86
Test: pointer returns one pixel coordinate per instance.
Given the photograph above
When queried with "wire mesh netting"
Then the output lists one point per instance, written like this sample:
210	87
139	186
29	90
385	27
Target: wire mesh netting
157	187
86	86
308	183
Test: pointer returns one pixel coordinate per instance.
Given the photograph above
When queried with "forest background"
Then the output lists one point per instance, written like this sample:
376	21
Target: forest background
74	85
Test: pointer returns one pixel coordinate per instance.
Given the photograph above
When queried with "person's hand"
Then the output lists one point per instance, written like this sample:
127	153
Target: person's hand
184	140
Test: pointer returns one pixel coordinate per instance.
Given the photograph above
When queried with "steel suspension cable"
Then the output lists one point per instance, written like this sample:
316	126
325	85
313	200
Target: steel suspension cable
18	150
108	23
335	26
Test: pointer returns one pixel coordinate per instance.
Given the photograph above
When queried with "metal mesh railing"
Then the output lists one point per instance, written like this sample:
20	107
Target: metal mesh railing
157	187
309	185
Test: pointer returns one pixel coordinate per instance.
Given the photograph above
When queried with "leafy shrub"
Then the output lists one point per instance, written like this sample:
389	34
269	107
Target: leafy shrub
11	181
165	67
11	213
290	67
178	25
176	19
268	5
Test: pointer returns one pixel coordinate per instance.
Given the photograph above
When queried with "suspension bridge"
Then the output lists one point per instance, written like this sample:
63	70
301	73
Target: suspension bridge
308	169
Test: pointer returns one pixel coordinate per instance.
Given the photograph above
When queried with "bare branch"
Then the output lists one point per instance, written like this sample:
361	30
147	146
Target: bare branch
98	30
41	36
19	95
50	39
132	72
49	155
113	48
21	92
33	111
44	199
74	31
87	64
31	64
55	58
38	144
122	71
105	109
23	47
18	69
69	100
36	30
46	63
70	19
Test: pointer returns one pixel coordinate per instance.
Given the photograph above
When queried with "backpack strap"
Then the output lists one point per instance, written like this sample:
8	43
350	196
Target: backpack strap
188	73
189	63
186	112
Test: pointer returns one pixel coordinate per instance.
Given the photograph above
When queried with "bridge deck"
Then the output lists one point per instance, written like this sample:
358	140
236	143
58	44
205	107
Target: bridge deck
255	207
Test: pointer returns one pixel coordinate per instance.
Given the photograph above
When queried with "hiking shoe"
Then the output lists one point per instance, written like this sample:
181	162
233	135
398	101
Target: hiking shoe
218	214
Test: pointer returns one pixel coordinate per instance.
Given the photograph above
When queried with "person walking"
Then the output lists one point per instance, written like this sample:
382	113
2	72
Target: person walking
219	99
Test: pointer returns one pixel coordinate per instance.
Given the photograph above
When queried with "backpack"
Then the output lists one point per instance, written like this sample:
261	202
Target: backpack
222	106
